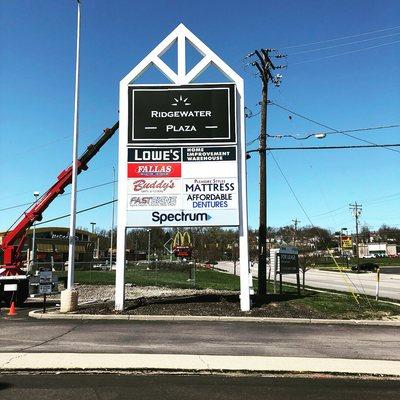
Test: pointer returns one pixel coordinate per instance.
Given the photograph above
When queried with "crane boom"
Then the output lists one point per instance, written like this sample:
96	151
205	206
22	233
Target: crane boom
14	240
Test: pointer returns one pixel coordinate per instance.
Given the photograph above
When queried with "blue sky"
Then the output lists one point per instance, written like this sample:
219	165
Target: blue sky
354	90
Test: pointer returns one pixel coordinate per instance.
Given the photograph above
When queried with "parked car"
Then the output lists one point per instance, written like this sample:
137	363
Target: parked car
366	267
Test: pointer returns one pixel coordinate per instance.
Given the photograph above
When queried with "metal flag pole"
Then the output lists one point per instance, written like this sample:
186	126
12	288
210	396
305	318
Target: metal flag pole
112	222
72	225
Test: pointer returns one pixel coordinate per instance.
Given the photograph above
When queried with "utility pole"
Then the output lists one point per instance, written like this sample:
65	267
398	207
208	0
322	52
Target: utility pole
356	209
295	222
264	66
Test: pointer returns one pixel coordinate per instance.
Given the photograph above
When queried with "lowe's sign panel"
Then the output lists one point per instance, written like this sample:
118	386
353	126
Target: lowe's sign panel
182	166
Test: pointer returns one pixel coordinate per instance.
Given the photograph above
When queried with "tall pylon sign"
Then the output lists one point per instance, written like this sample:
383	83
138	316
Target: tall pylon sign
182	156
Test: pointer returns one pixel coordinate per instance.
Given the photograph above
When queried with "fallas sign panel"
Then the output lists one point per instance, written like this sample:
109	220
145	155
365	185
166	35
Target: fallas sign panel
182	156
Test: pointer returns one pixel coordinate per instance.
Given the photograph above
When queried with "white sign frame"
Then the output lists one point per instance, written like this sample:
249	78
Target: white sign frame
183	77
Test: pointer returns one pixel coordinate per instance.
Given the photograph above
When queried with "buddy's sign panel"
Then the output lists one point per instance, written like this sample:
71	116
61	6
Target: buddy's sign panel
182	167
181	114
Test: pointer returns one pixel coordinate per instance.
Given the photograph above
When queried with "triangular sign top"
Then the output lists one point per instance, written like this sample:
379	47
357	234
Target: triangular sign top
179	35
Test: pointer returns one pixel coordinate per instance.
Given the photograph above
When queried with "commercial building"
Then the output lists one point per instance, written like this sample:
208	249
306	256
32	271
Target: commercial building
368	250
51	245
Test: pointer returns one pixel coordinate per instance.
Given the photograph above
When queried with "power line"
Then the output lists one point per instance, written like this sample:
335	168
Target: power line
61	195
356	146
333	129
291	189
343	44
372	128
329	212
38	147
252	141
346	52
342	37
296	137
78	212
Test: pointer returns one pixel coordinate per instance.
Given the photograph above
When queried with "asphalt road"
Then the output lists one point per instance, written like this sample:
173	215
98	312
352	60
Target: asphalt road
365	283
107	387
212	338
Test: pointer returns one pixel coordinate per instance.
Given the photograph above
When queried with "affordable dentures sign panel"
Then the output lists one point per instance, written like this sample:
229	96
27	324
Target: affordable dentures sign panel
182	167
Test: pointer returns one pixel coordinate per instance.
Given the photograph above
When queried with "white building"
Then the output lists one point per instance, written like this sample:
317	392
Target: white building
376	250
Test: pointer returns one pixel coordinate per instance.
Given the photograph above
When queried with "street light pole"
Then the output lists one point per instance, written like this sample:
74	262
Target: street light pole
342	230
148	247
93	225
36	194
72	227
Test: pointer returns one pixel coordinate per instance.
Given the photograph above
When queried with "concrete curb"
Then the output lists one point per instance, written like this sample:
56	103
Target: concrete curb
193	363
209	318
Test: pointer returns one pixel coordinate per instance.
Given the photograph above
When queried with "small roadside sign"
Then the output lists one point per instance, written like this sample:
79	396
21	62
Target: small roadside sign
347	242
45	285
45	277
45	289
285	261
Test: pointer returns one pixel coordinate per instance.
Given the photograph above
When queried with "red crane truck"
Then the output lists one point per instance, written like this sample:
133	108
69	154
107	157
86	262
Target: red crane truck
11	274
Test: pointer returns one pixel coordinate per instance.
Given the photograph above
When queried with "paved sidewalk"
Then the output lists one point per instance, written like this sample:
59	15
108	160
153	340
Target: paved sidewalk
189	362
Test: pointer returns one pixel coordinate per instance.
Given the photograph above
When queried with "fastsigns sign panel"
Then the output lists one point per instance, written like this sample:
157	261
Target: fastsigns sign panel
182	167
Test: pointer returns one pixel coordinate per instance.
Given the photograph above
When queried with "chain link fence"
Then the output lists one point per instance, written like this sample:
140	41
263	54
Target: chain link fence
142	273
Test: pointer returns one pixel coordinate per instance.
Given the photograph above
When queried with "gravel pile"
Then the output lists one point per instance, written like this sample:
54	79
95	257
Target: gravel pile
107	292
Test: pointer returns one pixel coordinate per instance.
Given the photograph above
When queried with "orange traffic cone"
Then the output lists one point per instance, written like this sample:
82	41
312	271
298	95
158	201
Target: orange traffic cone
12	310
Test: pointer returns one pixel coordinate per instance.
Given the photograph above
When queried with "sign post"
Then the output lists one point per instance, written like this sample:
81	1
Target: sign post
286	261
182	152
45	285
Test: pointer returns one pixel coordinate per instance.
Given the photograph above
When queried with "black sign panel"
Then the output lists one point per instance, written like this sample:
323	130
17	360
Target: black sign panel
288	263
151	154
209	154
182	114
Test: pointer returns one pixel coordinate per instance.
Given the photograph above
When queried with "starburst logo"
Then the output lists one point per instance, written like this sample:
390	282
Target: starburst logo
181	100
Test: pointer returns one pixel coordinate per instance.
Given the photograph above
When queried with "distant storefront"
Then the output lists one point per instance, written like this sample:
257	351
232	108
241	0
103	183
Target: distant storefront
51	245
377	250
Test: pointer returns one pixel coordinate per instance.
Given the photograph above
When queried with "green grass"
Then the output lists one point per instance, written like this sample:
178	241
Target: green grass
310	303
383	262
345	307
137	277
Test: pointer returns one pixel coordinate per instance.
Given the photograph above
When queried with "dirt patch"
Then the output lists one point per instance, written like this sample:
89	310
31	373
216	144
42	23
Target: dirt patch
207	304
154	300
107	292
